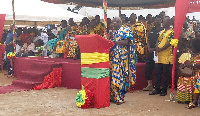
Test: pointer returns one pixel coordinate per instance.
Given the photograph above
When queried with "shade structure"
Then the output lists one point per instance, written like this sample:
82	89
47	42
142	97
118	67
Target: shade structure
118	3
36	10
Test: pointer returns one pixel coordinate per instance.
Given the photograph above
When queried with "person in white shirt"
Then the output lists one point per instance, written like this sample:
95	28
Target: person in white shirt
19	44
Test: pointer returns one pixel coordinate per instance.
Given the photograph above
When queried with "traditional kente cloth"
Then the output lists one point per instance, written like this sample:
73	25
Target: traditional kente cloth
139	33
73	29
185	88
72	47
165	56
99	29
186	85
122	64
82	30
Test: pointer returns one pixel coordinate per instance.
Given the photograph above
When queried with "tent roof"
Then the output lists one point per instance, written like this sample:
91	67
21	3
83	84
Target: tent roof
36	10
117	3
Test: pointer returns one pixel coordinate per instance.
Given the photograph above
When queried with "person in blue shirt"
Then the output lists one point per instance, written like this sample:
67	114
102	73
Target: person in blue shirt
9	47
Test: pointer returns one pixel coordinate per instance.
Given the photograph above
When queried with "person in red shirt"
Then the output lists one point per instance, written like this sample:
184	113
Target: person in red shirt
25	35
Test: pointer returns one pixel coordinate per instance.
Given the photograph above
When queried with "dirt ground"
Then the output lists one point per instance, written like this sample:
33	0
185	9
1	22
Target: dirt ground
61	102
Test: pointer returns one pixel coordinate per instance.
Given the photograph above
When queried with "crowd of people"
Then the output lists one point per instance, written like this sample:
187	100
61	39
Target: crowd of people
136	38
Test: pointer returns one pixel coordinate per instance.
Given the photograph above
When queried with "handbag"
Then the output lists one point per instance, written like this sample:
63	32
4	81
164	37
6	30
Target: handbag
186	72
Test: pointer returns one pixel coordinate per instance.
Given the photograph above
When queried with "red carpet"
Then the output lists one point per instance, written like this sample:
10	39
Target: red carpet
30	77
71	71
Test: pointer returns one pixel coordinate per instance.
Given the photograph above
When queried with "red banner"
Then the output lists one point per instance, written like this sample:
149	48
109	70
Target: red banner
180	13
194	6
2	20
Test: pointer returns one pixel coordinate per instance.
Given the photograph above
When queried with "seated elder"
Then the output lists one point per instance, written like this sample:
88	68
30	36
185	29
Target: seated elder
191	64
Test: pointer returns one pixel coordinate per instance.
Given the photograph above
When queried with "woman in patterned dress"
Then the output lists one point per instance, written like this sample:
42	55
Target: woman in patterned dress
188	86
122	61
195	63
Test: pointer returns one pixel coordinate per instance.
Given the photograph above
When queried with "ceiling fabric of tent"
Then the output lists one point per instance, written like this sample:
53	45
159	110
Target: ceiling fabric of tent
36	10
117	3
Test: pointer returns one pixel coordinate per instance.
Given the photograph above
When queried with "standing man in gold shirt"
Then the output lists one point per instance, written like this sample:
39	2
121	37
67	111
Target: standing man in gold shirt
165	58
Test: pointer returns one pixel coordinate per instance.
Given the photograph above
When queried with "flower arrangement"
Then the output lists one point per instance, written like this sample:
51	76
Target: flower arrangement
174	42
11	55
84	98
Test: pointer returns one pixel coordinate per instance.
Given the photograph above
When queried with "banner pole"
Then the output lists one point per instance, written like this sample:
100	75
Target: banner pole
105	18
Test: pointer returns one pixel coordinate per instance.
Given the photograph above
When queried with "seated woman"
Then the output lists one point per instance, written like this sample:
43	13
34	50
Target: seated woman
28	48
186	84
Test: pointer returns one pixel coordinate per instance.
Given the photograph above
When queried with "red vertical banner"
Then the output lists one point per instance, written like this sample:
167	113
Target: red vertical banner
194	6
181	9
2	20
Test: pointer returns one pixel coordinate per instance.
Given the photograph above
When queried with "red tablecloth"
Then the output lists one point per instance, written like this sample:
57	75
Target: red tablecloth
141	81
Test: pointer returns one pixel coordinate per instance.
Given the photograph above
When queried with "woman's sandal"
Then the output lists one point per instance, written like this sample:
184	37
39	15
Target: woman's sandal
191	105
119	103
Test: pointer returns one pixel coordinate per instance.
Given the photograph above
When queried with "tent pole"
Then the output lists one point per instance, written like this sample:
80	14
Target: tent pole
105	18
35	24
13	10
120	8
14	36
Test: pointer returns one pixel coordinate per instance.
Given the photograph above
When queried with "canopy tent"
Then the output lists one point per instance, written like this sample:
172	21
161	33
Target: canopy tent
118	3
36	10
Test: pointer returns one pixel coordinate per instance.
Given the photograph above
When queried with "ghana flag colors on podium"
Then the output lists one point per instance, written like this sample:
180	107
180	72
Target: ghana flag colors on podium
95	72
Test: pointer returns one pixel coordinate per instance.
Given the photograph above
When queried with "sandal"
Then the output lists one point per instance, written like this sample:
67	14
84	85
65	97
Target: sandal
191	105
119	103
